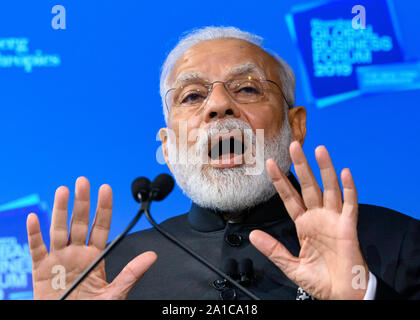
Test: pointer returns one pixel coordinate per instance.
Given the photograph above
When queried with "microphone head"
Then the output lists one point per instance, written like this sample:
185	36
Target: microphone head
246	272
246	267
161	187
230	267
140	189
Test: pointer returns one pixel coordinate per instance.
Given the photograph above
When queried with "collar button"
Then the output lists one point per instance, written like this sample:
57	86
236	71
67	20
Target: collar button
233	239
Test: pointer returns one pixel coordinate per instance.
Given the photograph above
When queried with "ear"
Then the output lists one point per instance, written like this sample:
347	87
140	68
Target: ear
297	121
163	135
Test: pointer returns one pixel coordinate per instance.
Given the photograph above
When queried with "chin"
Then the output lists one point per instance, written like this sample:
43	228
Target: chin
227	189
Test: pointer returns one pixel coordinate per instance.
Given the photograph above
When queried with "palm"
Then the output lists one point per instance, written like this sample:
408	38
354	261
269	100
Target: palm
326	240
75	260
326	229
69	256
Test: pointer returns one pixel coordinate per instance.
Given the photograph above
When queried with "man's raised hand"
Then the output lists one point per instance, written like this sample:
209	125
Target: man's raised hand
326	229
70	253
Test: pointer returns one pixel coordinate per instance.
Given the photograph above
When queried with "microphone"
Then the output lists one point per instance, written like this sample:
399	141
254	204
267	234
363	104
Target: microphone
159	189
140	189
242	272
231	268
246	271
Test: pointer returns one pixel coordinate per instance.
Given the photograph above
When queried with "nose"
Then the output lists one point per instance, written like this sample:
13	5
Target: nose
220	105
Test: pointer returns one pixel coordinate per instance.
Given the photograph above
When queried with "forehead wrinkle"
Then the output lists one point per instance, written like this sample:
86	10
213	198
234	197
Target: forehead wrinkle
242	69
238	70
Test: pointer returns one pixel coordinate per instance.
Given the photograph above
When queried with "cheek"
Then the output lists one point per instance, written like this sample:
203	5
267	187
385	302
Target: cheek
186	132
265	117
185	118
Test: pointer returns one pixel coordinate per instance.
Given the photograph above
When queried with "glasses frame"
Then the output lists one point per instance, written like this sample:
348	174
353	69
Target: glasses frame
210	90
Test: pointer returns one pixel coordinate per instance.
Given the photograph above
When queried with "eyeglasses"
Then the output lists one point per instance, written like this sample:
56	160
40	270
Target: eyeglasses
195	94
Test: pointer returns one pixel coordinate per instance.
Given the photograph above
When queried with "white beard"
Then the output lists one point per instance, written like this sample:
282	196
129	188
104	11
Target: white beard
231	189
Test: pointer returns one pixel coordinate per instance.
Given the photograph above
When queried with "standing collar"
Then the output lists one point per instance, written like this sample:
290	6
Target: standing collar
208	220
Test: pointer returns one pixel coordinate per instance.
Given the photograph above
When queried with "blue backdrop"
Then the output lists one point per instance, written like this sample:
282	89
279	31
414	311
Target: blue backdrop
91	106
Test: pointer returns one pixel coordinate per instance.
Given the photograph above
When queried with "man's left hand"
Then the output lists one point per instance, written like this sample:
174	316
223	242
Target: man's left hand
330	257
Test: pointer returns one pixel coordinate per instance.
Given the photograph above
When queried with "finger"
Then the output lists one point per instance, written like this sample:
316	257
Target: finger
102	222
311	193
79	225
131	273
332	192
350	205
290	197
36	243
275	251
58	230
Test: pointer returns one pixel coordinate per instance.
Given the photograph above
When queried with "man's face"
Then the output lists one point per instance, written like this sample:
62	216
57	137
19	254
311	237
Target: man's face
217	60
217	183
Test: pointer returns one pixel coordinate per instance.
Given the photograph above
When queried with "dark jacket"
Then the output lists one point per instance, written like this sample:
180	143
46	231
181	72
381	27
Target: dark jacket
390	242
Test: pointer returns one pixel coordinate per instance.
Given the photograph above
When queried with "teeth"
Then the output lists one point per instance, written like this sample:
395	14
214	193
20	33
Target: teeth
226	146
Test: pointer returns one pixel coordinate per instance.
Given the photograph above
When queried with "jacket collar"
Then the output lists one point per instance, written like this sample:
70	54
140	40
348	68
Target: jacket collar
208	220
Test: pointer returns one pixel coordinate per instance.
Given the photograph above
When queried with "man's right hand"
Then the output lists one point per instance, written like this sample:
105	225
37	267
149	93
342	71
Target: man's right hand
70	255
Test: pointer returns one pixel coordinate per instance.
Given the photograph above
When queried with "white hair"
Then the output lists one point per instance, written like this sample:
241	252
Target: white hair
286	73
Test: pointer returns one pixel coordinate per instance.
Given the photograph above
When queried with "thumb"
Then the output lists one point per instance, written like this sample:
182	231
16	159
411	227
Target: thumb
275	251
132	272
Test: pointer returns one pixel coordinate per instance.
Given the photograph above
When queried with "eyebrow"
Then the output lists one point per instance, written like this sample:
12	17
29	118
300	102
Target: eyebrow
239	70
188	77
245	68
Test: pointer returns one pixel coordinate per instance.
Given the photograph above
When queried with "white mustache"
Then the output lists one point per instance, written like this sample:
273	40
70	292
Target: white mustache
220	128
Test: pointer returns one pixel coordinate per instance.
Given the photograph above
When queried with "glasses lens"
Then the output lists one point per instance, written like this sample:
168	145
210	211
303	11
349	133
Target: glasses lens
192	95
246	91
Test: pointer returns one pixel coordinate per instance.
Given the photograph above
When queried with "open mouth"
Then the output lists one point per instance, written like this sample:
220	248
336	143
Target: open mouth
229	146
227	150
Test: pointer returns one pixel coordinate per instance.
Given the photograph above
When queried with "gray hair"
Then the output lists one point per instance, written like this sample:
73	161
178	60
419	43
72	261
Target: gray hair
286	73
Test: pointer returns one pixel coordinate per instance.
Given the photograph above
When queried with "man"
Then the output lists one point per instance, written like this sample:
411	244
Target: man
221	90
